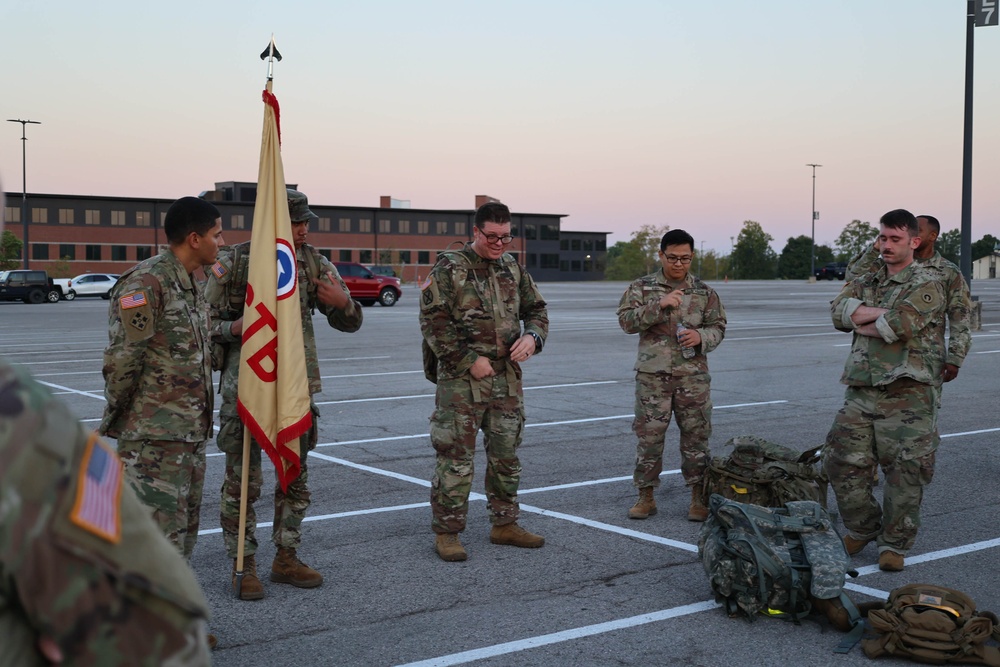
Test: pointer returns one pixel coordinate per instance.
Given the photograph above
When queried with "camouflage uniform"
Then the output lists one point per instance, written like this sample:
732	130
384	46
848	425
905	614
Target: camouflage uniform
107	588
226	293
666	382
889	416
158	385
472	307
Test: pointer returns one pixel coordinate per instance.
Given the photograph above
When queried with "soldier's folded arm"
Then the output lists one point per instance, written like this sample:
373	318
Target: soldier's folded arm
913	313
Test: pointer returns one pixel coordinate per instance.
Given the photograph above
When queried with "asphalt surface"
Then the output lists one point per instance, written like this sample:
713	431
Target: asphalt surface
605	590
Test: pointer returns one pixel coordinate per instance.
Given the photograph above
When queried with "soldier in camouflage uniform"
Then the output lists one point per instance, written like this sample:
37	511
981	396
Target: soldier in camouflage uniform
158	371
667	381
85	575
471	309
320	286
892	374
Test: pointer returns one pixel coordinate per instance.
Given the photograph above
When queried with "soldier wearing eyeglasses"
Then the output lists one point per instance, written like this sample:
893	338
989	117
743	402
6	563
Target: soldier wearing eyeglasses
674	313
472	308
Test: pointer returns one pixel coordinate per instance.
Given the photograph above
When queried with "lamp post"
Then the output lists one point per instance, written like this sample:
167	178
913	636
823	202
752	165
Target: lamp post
812	250
732	253
24	182
700	253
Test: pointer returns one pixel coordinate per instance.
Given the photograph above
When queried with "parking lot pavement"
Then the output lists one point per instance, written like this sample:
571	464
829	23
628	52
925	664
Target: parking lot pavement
604	590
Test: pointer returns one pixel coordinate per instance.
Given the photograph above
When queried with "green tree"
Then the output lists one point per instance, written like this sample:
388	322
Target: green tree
753	258
794	259
628	260
10	251
949	245
984	247
855	238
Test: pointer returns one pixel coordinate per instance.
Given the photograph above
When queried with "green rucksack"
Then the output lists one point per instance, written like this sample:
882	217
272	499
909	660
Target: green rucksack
785	562
763	473
935	625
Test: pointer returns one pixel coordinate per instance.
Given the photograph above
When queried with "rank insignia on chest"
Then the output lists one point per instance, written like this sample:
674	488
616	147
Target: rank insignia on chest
133	300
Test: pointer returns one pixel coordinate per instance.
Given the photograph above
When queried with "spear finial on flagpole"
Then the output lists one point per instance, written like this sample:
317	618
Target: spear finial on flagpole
270	54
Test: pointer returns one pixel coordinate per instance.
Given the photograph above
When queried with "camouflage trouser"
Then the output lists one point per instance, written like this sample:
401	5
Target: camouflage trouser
289	506
456	420
895	427
168	477
689	398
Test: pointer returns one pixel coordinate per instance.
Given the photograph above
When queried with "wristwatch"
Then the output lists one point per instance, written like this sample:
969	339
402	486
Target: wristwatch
538	340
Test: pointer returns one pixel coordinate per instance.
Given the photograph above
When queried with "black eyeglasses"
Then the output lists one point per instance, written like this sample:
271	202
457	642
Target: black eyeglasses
674	259
493	238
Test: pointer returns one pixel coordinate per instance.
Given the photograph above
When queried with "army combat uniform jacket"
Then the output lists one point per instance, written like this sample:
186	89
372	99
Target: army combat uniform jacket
81	561
471	307
158	363
639	312
911	342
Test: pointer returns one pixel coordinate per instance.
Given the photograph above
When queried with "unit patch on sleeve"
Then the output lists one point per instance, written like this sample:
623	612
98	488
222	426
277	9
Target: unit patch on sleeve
98	491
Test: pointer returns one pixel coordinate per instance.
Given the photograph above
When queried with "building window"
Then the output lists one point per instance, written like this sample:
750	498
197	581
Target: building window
551	261
65	216
39	251
12	214
423	257
602	245
530	232
423	226
324	225
550	232
575	244
441	227
588	245
40	215
118	253
365	256
236	222
344	225
93	253
92	217
142	219
404	226
163	218
564	245
404	256
143	252
564	265
67	251
460	229
117	218
326	252
532	260
345	254
385	226
575	265
588	265
364	226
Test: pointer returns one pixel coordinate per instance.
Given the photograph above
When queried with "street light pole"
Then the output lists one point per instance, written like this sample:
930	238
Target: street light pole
732	251
812	251
24	183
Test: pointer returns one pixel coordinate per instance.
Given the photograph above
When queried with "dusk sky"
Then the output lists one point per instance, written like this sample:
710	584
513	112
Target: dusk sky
698	115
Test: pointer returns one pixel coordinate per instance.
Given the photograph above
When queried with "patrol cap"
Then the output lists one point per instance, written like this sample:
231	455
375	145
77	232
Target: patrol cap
298	207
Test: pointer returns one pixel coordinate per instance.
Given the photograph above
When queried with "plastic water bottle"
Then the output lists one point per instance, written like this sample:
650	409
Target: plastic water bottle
686	352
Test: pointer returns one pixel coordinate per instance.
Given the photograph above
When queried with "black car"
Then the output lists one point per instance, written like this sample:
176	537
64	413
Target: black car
832	271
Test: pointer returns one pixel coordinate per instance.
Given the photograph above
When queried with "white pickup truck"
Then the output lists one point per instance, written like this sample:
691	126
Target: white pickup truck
62	286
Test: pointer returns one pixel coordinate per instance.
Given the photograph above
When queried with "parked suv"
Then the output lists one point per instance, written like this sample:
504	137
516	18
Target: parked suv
832	271
367	287
92	284
29	286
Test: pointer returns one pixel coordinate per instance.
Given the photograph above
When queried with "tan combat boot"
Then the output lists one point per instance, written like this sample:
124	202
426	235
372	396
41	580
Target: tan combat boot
250	587
212	642
853	545
697	511
890	561
449	548
645	506
515	536
288	569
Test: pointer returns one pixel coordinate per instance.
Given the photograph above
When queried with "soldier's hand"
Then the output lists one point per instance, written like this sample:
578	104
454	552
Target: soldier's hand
330	293
672	300
481	369
950	372
522	348
689	338
236	328
48	648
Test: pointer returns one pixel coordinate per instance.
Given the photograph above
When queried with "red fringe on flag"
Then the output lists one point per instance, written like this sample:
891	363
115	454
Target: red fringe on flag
272	101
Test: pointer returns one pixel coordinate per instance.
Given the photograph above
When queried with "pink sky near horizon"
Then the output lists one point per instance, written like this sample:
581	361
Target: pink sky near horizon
694	115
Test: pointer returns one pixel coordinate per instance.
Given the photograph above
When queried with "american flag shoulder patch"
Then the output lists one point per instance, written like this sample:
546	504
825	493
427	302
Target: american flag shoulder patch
97	508
132	300
219	270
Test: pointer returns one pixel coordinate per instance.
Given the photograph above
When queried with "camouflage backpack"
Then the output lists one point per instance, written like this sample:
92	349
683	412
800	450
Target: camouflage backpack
767	474
933	624
784	562
459	277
